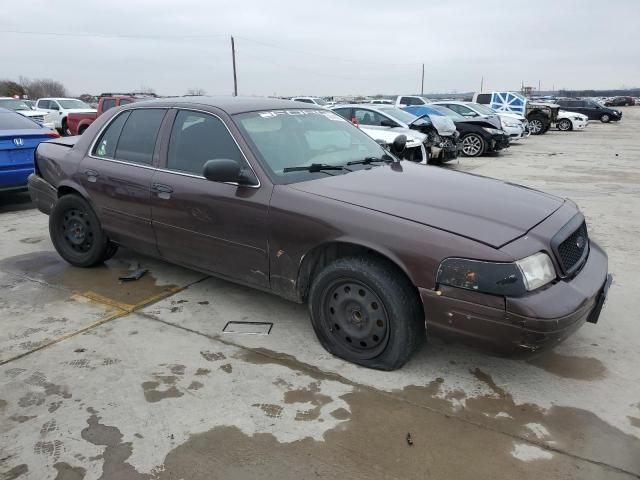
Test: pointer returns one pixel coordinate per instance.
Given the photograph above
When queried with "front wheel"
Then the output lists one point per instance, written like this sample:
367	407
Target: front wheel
538	124
605	118
473	145
76	232
367	312
565	125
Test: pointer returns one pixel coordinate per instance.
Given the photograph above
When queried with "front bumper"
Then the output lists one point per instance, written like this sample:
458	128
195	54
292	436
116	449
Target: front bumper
498	142
43	194
450	150
542	318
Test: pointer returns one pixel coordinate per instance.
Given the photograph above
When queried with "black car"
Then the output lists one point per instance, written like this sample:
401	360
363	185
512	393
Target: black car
479	135
620	102
591	109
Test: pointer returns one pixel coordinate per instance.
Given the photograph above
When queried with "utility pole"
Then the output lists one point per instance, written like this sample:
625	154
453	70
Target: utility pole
235	78
422	88
538	87
481	83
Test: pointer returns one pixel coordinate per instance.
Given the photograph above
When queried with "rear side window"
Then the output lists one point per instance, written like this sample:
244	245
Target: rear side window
43	104
344	113
483	98
15	121
198	137
106	146
108	103
124	101
138	138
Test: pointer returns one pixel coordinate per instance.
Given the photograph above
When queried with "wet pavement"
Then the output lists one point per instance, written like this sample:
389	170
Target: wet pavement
136	380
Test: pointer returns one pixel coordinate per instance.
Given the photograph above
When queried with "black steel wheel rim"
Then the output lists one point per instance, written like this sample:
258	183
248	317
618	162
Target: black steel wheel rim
77	230
355	317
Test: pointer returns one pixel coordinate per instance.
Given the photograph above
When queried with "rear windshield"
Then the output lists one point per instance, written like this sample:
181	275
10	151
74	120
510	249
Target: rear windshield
15	121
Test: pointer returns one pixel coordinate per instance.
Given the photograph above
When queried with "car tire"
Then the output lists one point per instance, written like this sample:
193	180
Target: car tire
76	232
473	145
605	118
366	311
565	125
538	124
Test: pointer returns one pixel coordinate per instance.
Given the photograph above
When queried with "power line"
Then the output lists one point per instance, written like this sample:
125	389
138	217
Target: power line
111	35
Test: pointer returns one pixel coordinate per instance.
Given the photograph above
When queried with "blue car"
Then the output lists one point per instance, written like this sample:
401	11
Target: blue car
19	137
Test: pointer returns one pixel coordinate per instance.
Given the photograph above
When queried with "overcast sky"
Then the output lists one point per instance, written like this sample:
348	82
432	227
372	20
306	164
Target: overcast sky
330	47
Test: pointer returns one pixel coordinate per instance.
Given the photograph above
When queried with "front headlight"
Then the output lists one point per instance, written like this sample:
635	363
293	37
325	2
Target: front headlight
493	131
507	123
511	279
537	270
576	118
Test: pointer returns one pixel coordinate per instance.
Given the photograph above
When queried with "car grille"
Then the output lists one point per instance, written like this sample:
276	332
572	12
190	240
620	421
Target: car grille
37	118
572	251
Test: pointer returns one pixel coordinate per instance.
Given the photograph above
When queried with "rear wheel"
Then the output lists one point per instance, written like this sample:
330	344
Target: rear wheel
367	312
605	118
565	125
76	232
473	145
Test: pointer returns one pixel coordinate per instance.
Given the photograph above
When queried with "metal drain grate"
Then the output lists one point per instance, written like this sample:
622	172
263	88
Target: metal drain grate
248	328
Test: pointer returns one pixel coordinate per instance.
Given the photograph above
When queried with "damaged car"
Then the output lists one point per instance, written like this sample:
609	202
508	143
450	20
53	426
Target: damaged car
297	201
441	140
478	135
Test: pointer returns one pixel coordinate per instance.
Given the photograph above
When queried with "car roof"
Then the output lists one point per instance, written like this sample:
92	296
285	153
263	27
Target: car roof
231	105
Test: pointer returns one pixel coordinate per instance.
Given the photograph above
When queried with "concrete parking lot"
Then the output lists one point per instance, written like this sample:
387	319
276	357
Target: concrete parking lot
136	380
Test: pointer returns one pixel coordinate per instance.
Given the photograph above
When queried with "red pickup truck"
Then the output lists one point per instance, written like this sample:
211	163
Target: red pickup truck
77	123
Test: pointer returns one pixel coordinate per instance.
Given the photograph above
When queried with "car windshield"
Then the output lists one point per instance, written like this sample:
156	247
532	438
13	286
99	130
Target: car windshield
73	104
14	104
398	114
285	139
482	109
445	111
15	121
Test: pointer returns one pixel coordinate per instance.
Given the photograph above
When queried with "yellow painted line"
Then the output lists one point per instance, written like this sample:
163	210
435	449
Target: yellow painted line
122	309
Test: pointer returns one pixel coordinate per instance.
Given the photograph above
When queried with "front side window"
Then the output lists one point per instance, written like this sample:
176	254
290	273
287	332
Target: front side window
368	117
283	139
44	104
198	137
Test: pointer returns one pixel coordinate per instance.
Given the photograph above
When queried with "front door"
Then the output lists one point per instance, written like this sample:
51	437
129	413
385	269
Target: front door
216	227
117	175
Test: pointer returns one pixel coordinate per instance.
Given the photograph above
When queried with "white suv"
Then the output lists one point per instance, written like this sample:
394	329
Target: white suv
410	101
59	108
313	100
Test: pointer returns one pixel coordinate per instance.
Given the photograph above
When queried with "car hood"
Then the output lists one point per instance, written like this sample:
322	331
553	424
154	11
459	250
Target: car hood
517	116
487	210
32	113
492	121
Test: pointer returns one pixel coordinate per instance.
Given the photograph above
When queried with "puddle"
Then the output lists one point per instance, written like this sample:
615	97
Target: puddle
101	280
567	366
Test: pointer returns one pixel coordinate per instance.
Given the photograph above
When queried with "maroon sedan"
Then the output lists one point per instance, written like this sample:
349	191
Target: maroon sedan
299	202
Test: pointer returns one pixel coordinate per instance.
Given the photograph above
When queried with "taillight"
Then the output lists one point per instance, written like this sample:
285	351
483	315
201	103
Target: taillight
53	135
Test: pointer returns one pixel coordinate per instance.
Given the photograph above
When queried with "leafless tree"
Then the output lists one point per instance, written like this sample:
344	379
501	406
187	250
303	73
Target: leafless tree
147	90
9	88
196	91
43	87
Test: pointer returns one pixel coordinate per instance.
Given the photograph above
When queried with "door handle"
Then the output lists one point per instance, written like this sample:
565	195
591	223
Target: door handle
92	175
161	187
164	191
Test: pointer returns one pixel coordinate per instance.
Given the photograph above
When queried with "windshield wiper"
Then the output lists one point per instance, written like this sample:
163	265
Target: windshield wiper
367	160
314	167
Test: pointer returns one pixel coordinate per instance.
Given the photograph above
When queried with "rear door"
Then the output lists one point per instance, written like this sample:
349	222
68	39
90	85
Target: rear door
217	227
117	173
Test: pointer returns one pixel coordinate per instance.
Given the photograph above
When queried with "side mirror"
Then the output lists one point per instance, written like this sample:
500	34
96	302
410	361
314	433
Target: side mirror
399	144
225	170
